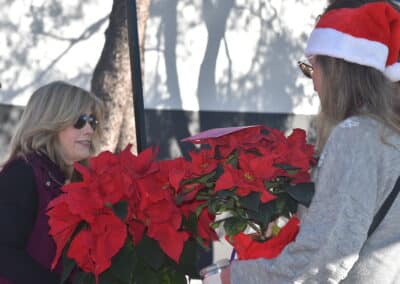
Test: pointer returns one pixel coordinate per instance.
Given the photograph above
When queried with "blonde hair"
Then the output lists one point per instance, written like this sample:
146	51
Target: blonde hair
51	109
351	89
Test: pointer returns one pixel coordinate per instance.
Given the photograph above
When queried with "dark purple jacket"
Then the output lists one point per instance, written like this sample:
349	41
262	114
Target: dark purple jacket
26	248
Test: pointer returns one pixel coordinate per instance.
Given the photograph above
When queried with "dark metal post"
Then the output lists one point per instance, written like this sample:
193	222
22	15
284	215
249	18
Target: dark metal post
136	73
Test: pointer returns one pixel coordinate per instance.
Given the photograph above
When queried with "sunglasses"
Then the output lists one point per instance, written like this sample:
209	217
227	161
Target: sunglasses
83	119
307	69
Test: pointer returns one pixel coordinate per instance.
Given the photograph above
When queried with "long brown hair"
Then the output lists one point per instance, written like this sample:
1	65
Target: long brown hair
351	89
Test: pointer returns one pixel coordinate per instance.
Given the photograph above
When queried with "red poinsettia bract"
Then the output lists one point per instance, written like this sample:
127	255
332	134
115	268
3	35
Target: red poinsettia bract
205	232
248	248
93	247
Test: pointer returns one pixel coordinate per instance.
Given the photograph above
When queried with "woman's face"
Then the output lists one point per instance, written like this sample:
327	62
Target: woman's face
76	143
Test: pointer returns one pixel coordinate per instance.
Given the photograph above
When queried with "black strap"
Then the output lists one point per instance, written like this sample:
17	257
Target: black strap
384	208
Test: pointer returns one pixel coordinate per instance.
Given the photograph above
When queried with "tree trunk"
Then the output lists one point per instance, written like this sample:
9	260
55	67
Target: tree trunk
112	76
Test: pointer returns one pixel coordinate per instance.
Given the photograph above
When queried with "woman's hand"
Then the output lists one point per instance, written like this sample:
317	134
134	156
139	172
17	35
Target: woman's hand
226	275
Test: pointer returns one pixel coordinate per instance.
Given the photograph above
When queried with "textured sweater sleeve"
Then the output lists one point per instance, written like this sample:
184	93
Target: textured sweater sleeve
18	205
335	226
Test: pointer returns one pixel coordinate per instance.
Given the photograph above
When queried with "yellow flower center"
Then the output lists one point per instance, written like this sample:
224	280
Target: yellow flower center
204	166
248	176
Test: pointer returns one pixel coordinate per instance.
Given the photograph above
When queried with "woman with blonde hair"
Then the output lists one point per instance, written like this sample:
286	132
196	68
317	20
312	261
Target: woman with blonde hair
60	126
354	54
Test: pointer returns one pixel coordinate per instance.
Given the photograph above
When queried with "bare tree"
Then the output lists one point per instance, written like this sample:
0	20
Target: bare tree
112	76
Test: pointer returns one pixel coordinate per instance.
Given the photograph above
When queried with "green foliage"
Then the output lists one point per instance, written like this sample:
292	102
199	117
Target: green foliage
190	223
123	264
173	277
226	194
200	208
263	215
143	264
84	278
188	259
121	209
234	225
214	206
203	179
108	277
233	159
286	167
302	192
164	270
251	201
150	252
68	267
143	274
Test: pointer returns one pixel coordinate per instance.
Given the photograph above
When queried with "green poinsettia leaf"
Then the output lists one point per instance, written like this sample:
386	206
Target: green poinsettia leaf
292	172
214	206
151	253
232	158
121	209
264	214
108	277
143	274
280	204
229	205
188	259
292	205
251	201
200	208
84	278
302	192
202	179
206	178
123	264
271	184
202	197
220	206
225	194
68	266
286	167
216	224
79	277
179	199
190	223
174	277
234	225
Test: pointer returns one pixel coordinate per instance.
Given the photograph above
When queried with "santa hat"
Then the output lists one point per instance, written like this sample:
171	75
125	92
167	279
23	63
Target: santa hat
368	35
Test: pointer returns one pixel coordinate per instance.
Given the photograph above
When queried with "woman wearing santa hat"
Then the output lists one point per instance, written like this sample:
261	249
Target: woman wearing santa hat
351	231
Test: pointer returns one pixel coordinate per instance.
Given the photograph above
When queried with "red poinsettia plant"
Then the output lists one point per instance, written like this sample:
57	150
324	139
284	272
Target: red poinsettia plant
257	178
129	220
133	219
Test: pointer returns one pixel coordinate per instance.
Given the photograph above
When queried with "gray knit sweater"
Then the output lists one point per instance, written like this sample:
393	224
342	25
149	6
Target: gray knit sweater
355	173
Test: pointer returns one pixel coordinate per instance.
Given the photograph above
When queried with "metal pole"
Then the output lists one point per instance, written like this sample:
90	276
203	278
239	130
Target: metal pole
136	74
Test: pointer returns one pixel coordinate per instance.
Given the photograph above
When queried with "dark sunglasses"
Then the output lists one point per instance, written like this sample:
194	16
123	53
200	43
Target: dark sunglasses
83	119
307	69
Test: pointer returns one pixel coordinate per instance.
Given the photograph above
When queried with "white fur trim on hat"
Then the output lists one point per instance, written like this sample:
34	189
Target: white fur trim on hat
330	42
393	72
